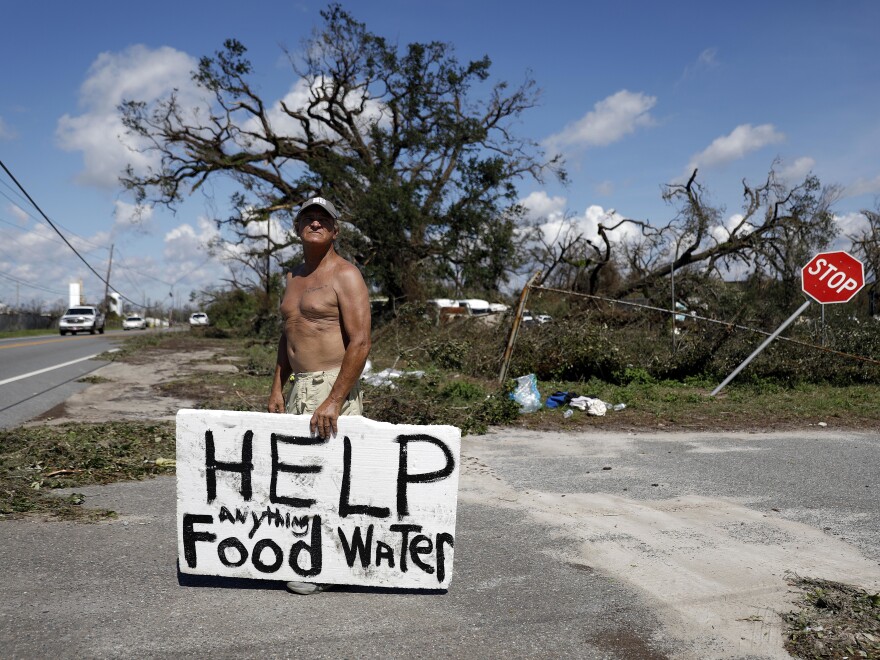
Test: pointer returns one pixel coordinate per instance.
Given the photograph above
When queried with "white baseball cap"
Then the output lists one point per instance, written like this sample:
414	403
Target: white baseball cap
318	201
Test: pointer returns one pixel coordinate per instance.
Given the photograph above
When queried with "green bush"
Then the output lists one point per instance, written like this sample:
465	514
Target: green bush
434	400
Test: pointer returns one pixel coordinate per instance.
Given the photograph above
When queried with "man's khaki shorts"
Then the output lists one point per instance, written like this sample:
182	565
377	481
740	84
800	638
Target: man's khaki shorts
312	388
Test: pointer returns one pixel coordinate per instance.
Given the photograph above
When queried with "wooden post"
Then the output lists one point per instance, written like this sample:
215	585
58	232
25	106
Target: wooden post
514	329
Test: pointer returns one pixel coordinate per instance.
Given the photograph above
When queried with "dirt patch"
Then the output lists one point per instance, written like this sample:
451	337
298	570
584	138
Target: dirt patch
133	390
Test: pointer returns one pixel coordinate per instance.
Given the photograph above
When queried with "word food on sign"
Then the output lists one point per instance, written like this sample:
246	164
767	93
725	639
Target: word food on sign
258	496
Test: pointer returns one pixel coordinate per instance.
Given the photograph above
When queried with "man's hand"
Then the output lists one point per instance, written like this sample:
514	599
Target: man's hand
323	421
276	403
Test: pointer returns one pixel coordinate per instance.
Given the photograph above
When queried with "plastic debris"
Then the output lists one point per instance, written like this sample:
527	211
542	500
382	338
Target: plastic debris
568	413
526	393
619	406
386	377
592	406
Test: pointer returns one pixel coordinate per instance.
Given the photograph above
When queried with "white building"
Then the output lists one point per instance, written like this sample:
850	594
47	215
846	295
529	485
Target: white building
76	294
115	303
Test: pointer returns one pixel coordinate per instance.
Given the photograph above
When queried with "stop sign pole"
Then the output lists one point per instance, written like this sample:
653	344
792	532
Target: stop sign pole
829	277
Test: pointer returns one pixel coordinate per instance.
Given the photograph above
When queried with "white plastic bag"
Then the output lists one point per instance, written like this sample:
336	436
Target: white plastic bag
526	393
594	407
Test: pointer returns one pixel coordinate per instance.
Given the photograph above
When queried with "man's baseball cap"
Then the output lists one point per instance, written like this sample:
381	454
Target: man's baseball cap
318	201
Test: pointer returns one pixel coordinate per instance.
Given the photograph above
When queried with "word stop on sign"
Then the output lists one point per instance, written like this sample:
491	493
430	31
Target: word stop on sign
832	277
259	497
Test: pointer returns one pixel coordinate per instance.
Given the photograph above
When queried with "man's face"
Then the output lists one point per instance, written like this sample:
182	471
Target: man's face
316	225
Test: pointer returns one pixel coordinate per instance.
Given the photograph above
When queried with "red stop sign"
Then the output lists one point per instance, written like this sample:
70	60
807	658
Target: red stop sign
833	277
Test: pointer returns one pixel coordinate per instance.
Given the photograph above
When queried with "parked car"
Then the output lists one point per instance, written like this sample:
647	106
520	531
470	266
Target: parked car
134	323
535	319
199	318
83	318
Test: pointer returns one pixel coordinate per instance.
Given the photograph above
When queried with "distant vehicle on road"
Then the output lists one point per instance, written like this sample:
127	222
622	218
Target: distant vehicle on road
532	319
134	323
83	318
199	318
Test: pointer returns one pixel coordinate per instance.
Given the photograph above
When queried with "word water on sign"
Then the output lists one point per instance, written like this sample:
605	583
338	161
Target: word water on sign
259	497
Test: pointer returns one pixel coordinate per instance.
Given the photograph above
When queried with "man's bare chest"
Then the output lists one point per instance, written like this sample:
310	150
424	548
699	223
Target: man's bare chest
309	298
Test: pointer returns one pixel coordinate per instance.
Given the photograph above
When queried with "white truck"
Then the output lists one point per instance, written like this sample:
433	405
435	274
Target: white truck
82	318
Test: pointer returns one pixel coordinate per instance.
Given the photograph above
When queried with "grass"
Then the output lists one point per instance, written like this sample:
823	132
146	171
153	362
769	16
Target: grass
35	461
745	406
833	620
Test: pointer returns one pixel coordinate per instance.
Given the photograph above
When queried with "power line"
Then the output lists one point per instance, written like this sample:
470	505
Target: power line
67	229
17	280
46	218
729	325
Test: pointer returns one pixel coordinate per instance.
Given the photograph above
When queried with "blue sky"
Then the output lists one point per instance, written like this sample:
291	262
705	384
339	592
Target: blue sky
634	94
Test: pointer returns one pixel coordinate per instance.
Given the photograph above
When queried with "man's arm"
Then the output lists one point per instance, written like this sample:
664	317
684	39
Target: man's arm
354	313
282	373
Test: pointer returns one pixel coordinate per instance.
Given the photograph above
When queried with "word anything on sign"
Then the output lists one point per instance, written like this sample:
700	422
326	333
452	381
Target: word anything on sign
259	496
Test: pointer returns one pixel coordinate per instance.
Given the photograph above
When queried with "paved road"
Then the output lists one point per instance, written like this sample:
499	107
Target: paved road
678	550
31	380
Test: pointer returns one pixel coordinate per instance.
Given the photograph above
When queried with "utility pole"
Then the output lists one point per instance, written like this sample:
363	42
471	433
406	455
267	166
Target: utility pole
268	257
107	281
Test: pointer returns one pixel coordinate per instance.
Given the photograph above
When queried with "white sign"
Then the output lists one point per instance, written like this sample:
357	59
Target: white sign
259	497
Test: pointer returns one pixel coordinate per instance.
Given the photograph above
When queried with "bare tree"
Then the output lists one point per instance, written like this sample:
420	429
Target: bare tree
866	246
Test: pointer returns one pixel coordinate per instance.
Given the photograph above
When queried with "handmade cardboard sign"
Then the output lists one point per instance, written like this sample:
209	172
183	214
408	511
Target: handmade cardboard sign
258	496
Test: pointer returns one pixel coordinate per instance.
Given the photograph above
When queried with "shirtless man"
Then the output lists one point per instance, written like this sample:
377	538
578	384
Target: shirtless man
326	335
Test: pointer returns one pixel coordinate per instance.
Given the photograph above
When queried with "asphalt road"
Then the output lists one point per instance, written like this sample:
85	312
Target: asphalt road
31	378
581	545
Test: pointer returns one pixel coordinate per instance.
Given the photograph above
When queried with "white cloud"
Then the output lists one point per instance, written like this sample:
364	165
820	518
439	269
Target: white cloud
6	133
741	141
137	73
797	170
19	213
848	225
37	255
128	216
864	187
586	224
186	257
186	243
540	205
722	232
610	120
549	215
851	223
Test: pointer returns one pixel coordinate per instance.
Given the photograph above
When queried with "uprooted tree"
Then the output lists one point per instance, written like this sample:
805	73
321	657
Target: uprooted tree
418	150
779	228
866	246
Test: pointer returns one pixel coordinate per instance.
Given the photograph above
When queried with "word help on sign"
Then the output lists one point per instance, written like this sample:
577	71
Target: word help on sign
258	496
833	277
